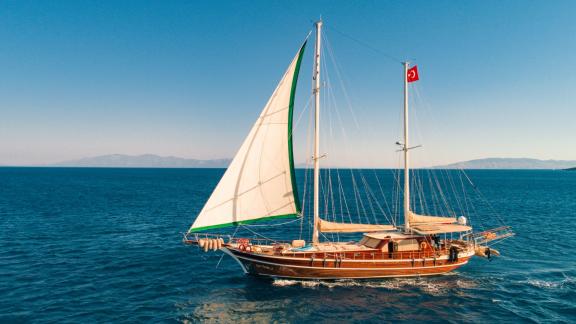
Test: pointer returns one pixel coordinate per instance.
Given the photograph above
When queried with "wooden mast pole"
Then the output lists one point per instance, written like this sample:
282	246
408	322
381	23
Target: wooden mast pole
316	157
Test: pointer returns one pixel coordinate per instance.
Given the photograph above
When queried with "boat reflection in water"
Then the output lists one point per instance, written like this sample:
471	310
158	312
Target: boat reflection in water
290	300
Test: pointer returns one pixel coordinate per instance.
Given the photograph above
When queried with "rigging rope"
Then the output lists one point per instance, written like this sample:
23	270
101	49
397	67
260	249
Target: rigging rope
367	45
435	191
271	225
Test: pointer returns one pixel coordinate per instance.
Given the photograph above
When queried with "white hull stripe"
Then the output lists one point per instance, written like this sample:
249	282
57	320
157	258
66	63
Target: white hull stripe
444	257
352	277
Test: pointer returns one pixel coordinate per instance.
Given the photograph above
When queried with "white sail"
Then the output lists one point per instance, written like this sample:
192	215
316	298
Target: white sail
260	182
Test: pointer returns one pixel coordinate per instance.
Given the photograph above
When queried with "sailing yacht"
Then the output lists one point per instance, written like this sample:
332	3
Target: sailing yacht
260	185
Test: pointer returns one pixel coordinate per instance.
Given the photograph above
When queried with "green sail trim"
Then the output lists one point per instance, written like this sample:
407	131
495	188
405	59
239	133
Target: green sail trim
291	160
243	222
290	113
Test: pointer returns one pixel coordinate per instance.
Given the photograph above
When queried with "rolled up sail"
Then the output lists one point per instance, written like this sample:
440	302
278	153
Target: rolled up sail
428	225
422	219
332	227
429	229
260	183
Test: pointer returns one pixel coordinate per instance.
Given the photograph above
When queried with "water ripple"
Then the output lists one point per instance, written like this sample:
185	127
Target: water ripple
103	245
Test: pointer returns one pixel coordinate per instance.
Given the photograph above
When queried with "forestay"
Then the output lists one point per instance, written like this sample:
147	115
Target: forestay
260	183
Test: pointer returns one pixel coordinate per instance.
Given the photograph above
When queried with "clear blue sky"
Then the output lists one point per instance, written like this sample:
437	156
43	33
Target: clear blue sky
188	78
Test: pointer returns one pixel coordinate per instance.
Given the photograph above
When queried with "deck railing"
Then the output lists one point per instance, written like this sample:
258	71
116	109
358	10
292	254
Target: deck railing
367	255
371	255
491	235
283	248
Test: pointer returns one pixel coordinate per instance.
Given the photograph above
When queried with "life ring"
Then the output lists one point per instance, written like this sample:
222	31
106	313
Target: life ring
245	247
243	241
423	245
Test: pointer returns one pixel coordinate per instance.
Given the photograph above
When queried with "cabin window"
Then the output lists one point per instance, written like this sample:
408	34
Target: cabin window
372	243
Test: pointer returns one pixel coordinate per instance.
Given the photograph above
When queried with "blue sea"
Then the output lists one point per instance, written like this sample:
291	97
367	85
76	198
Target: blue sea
104	245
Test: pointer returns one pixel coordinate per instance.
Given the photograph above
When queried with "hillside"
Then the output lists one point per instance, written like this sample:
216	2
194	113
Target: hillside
143	161
510	163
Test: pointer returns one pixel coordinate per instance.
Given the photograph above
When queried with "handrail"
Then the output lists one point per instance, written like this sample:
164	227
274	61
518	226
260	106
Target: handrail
374	254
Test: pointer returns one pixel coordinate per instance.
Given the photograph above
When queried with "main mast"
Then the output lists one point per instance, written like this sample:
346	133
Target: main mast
316	157
406	155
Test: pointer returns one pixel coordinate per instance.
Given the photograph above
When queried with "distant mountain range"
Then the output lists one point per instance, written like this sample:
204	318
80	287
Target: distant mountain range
510	163
156	161
142	161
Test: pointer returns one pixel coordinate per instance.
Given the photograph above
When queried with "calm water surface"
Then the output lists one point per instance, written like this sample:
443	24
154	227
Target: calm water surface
104	245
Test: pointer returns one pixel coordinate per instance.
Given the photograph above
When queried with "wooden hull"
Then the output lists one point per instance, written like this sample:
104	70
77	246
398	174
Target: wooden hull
299	268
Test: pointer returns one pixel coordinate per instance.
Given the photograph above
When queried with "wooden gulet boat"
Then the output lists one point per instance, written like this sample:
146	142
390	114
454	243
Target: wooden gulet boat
260	185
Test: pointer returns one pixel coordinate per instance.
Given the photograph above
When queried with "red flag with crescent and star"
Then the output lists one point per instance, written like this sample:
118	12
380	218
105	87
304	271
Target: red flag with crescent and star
412	74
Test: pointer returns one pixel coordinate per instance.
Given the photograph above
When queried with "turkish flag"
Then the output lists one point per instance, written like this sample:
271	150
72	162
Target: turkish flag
412	74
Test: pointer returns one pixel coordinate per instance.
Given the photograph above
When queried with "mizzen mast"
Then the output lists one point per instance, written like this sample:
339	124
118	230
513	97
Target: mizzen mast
316	157
406	155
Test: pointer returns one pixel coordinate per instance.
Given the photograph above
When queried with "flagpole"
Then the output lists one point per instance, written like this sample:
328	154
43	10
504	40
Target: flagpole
406	155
